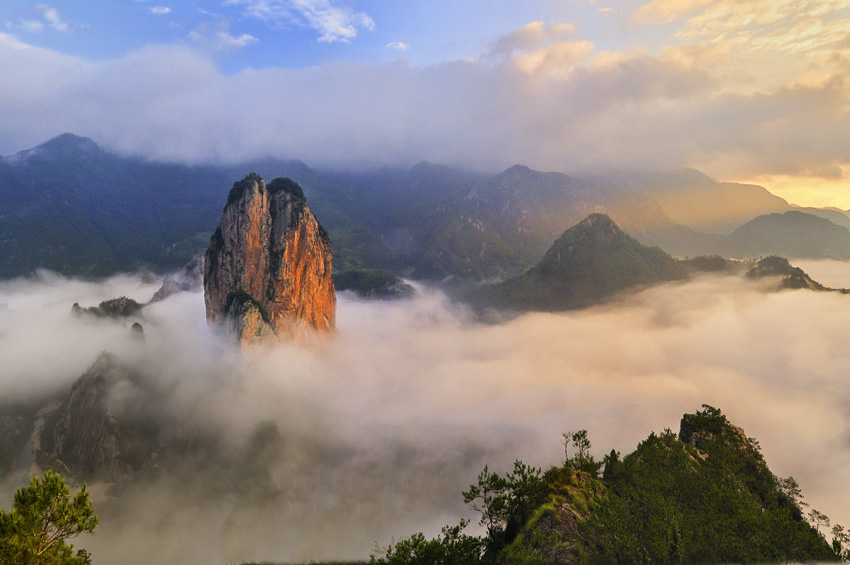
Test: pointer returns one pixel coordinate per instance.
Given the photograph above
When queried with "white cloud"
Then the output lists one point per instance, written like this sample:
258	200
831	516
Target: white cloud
532	36
217	37
50	17
32	26
53	18
334	23
543	97
387	421
226	41
397	45
160	10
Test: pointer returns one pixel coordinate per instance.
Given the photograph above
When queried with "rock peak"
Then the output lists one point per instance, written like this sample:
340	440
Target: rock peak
267	272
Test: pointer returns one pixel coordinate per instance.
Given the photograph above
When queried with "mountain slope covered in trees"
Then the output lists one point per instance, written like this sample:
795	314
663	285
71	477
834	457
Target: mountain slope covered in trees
705	495
69	206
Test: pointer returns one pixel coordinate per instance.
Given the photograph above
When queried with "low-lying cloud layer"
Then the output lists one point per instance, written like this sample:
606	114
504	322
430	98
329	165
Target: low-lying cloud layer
383	424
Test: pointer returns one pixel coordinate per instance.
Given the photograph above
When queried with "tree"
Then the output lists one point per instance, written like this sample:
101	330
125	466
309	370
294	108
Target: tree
525	490
582	460
818	519
505	503
451	547
43	517
840	540
791	489
489	497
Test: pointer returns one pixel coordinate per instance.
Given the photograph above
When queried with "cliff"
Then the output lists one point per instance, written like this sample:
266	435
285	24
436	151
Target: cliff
190	277
269	247
108	428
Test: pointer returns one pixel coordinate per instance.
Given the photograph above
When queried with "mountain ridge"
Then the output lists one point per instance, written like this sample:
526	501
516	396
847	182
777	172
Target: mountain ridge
76	209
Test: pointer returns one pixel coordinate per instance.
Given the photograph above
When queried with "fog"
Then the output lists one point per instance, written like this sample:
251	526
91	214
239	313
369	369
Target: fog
385	422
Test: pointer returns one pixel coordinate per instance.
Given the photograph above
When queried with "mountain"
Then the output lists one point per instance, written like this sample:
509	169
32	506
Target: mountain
704	496
95	435
267	271
595	260
789	277
587	264
691	198
372	284
792	234
69	206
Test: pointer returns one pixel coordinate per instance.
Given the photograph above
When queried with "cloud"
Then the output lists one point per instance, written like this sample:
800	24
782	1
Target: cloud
385	423
532	36
782	40
217	37
33	26
541	96
160	10
668	10
53	18
50	18
397	45
334	23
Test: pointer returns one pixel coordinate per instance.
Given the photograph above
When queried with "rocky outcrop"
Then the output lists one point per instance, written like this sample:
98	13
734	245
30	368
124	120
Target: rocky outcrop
780	269
121	307
268	266
247	320
108	428
190	277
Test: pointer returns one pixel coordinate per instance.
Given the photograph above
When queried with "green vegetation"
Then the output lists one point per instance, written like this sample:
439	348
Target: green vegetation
792	277
371	283
75	209
713	264
589	263
288	186
43	517
705	496
239	187
311	563
241	301
121	307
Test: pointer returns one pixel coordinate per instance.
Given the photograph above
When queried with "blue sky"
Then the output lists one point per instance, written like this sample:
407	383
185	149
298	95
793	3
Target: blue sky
757	91
268	33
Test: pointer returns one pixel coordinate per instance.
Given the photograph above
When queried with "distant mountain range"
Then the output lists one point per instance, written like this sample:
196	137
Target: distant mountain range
588	264
594	261
71	207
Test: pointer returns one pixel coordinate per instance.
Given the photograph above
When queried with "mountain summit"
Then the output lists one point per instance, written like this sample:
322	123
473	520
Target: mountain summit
268	266
590	262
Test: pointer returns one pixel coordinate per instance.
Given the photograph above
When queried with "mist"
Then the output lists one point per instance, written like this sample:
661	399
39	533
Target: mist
384	423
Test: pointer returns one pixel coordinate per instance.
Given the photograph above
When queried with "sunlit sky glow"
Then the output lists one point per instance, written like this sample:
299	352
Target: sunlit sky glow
754	92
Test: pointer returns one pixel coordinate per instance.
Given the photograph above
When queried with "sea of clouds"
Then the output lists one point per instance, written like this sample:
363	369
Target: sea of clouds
384	423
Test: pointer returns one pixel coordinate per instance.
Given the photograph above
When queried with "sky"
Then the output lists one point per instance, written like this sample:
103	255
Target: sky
752	91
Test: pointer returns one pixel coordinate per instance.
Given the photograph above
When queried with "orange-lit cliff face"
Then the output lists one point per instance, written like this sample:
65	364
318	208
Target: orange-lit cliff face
269	264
